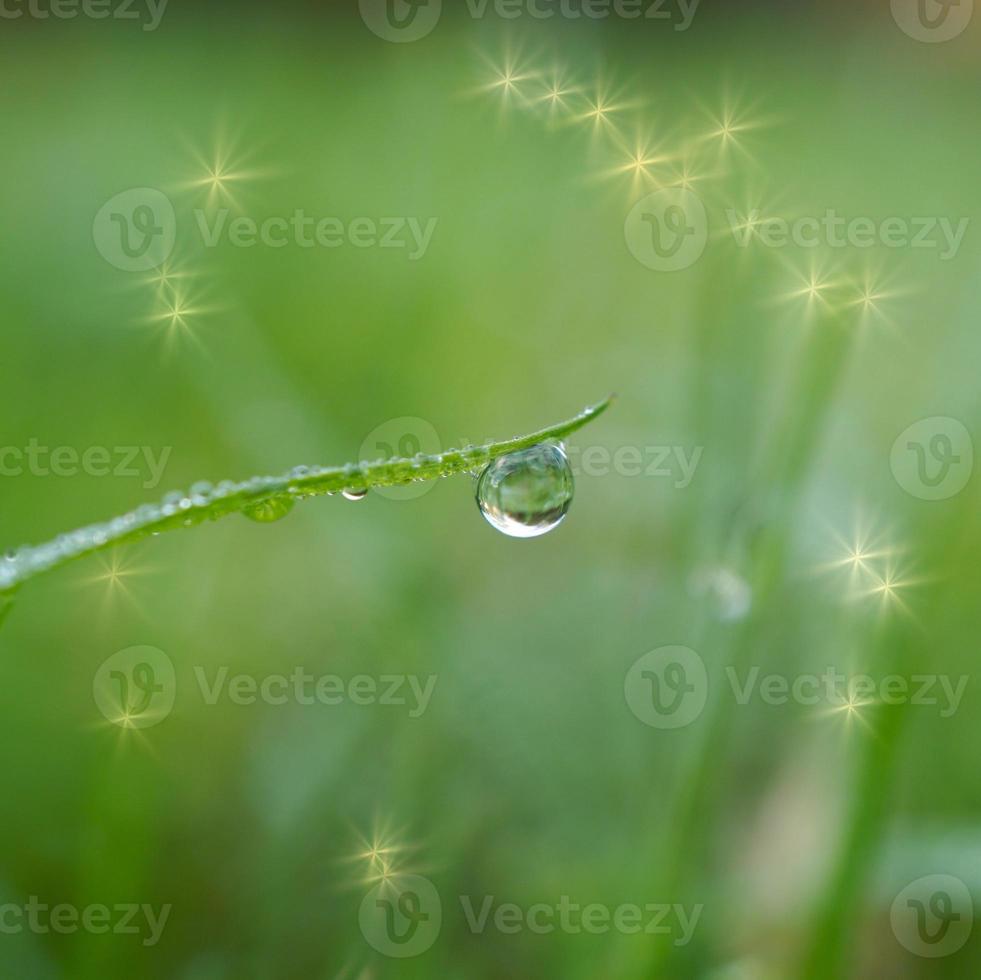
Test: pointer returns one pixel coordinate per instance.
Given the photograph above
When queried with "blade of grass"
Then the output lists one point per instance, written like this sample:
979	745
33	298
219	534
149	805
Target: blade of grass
760	529
901	649
833	926
204	503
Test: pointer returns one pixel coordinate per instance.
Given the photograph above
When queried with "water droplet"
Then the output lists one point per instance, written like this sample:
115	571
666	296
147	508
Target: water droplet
274	509
171	502
527	493
355	494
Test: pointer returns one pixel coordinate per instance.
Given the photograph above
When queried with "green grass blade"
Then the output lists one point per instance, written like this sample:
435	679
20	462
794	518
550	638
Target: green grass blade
204	503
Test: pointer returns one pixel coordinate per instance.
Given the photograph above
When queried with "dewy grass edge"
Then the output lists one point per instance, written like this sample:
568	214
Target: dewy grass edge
206	503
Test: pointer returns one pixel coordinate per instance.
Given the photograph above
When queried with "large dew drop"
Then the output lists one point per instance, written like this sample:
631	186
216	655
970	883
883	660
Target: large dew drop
273	509
527	493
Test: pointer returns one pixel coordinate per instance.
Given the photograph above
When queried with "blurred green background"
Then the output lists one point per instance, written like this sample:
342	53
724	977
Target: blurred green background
793	828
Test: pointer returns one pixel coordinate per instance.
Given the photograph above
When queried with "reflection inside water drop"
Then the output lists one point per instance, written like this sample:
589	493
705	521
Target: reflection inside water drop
268	511
355	494
527	493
